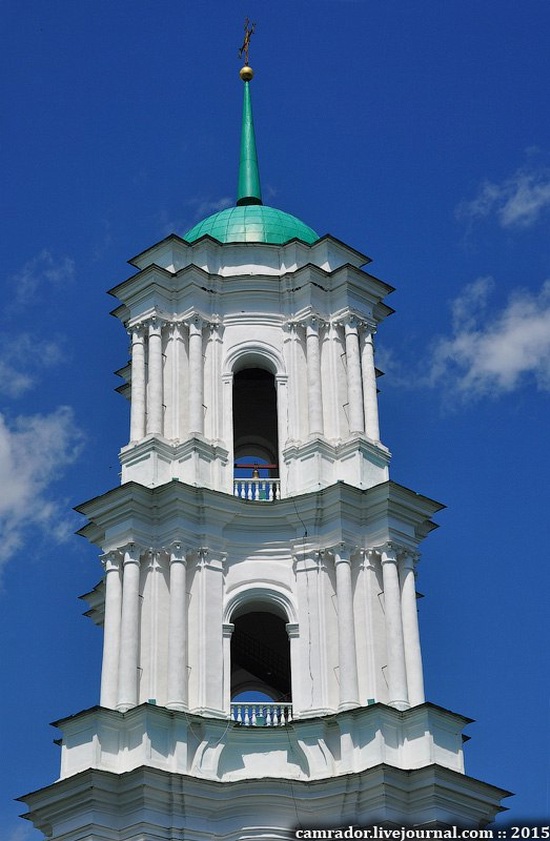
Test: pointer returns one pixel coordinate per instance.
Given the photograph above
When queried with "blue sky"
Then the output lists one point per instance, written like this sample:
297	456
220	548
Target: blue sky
418	133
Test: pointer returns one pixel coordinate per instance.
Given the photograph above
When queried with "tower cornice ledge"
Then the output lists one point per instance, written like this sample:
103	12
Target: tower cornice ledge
175	252
414	775
387	512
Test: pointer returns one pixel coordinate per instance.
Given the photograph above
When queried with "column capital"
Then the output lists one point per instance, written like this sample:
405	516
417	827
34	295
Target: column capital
340	552
196	321
388	552
314	323
177	552
136	331
132	553
370	557
176	329
368	328
213	324
111	560
155	323
408	558
207	557
308	559
351	323
348	320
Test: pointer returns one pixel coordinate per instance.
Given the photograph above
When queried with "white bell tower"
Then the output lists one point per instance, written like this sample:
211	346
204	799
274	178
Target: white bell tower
262	668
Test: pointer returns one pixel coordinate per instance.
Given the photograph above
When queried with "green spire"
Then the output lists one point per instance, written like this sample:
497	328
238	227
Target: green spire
249	190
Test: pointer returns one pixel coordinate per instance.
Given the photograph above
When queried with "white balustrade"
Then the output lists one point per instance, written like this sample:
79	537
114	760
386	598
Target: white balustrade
261	714
257	490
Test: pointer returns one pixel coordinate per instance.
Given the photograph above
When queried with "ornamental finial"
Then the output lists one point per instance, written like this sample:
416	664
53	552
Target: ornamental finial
246	72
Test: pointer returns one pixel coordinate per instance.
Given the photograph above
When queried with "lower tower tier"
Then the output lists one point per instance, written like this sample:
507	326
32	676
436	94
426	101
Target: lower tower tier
153	774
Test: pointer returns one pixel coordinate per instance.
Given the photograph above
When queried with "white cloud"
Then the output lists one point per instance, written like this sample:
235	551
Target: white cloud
205	208
21	358
518	201
40	271
34	450
494	354
21	832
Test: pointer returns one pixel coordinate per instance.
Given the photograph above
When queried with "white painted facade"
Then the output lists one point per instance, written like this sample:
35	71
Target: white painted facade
302	588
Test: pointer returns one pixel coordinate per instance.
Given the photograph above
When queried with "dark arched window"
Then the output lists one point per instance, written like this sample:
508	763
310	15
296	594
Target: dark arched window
260	656
255	436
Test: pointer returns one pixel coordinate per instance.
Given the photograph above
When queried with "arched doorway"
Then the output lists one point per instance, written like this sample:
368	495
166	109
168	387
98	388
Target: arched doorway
260	667
255	434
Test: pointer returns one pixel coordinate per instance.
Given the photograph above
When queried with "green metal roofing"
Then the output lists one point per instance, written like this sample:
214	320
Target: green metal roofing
250	220
252	223
249	190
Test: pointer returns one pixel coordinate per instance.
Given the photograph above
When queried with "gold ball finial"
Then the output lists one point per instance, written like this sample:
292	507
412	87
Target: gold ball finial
246	73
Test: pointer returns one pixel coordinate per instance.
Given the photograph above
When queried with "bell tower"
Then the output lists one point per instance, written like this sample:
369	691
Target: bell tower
262	667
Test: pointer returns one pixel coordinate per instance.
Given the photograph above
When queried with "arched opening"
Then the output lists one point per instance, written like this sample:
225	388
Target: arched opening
255	435
260	656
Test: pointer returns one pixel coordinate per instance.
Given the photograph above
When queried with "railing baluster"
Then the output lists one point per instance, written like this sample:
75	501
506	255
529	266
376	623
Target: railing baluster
261	714
257	490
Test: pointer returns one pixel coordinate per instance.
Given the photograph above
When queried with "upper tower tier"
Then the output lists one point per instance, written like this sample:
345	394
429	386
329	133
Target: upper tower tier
252	344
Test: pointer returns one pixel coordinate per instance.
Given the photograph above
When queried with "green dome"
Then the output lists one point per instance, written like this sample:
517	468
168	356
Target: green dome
252	223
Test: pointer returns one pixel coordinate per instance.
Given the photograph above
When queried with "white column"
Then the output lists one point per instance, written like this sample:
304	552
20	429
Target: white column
370	396
347	652
196	378
137	417
111	630
355	386
129	631
155	407
314	391
411	635
177	631
397	674
176	345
